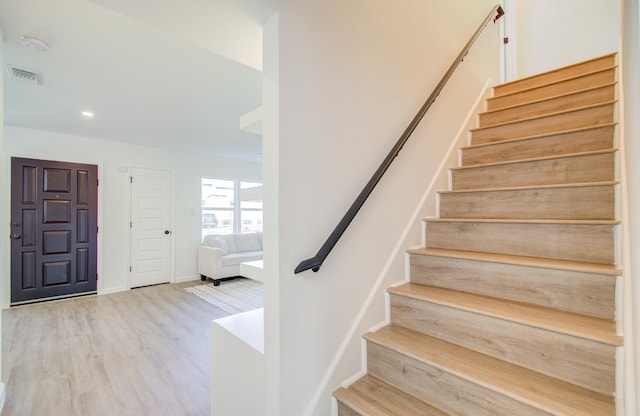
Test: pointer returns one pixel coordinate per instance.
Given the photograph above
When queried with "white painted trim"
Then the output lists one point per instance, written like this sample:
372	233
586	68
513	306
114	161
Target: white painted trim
172	214
188	278
398	248
113	290
2	396
629	67
508	53
100	224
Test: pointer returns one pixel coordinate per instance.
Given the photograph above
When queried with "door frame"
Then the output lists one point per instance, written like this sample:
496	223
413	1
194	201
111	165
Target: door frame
5	196
172	204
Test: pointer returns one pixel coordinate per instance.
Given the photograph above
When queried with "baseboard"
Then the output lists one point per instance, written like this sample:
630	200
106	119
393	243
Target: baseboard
112	290
183	279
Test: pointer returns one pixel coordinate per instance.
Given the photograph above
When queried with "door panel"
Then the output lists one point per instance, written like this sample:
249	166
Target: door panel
150	227
53	229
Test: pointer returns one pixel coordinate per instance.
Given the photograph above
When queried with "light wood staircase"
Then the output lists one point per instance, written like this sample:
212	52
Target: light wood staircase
510	309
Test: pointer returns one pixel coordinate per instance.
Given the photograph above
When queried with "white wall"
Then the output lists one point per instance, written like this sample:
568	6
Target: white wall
631	151
113	160
271	212
351	75
550	34
4	221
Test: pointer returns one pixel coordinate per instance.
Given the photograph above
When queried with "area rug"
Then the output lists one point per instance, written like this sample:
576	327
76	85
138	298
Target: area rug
232	296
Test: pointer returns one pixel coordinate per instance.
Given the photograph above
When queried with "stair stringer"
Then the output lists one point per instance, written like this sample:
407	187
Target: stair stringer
428	204
626	358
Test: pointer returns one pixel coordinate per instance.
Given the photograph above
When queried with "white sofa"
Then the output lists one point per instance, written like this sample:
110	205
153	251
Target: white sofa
220	255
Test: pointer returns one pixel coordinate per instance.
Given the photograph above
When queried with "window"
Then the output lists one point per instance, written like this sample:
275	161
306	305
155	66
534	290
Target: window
231	206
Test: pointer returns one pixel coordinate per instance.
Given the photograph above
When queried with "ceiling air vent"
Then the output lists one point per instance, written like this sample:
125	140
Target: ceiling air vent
25	75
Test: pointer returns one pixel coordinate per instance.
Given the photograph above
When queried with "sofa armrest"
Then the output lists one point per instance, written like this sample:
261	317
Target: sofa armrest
209	261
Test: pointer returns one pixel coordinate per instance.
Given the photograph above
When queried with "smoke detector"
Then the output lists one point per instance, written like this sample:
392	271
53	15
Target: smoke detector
23	74
34	43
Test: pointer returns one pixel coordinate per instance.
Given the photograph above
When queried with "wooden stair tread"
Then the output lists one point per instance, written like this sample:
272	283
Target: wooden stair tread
538	136
587	327
529	187
537	117
545	393
558	81
371	396
605	269
564	68
536	159
541	100
523	221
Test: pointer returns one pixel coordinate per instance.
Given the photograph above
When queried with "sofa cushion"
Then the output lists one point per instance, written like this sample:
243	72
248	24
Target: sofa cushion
234	259
216	241
231	243
247	242
222	244
207	240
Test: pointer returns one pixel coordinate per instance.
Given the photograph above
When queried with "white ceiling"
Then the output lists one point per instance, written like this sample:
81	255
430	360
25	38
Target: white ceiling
166	73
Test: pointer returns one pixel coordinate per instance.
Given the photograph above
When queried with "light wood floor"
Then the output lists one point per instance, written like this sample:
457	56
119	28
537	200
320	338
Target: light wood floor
142	352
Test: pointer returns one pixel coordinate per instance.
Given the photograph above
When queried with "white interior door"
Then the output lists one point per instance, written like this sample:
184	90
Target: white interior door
150	227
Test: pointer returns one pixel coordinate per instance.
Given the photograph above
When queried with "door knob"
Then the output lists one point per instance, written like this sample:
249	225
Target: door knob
167	232
17	236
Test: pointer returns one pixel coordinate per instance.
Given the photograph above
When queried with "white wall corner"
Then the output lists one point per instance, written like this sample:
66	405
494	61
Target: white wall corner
2	396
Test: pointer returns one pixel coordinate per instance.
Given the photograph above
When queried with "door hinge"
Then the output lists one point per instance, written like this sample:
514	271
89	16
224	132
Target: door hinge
505	40
130	224
130	269
97	230
130	179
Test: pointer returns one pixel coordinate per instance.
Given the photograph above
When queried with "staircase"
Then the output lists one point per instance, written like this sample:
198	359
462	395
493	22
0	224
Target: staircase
510	309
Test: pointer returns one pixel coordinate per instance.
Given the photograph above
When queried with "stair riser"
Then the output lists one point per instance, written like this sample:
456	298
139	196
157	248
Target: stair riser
584	293
566	102
552	145
344	410
583	362
580	203
370	396
552	90
587	117
442	389
597	64
588	243
564	170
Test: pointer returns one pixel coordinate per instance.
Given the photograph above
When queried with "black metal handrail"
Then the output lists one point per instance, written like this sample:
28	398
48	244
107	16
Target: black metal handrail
316	261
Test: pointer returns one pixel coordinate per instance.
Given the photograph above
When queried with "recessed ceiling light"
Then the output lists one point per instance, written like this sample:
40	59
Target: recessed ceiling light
35	43
87	114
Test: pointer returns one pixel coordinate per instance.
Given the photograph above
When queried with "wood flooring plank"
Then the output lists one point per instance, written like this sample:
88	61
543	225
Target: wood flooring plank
557	75
460	381
373	397
566	169
142	352
588	116
599	77
567	346
587	241
567	101
547	145
575	287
